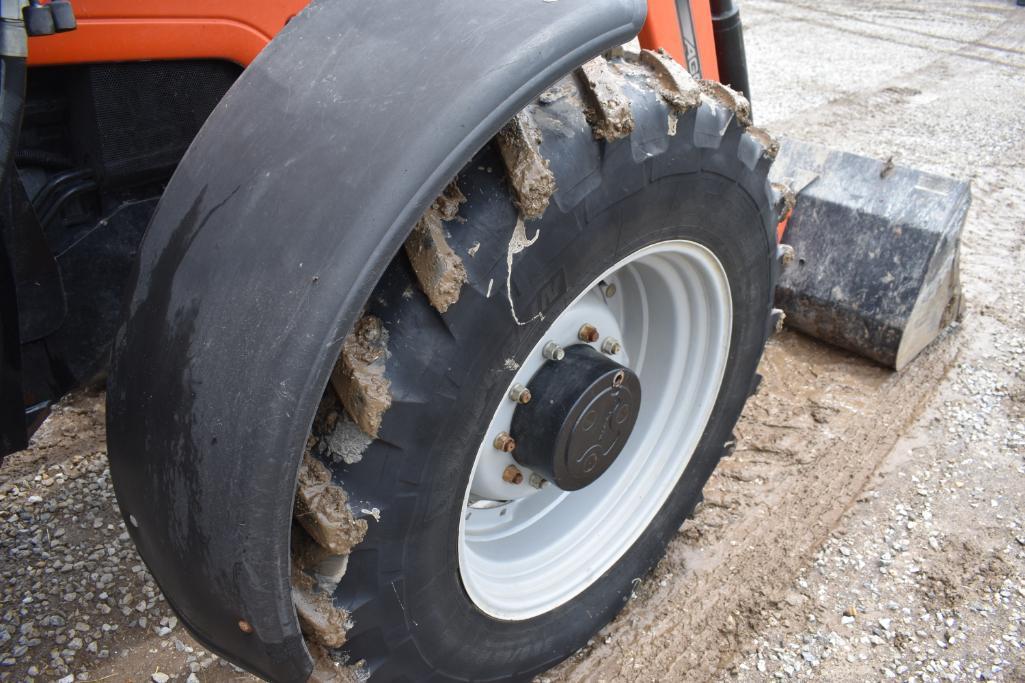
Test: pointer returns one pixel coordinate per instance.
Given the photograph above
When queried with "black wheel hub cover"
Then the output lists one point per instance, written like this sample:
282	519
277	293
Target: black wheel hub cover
582	411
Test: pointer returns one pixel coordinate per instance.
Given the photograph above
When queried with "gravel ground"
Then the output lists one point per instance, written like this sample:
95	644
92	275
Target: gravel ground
78	603
870	526
924	578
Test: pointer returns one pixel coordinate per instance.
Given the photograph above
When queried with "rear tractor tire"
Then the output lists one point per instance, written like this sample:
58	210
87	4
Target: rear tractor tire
542	382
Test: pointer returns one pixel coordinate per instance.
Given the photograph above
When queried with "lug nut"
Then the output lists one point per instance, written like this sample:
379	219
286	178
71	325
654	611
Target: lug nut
244	626
611	346
553	351
610	291
519	393
617	379
588	333
537	481
512	475
505	443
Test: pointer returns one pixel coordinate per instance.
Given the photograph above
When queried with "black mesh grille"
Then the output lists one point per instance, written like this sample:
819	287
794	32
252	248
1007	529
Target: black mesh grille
134	121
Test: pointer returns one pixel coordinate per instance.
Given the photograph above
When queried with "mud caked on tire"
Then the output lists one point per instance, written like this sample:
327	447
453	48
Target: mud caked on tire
619	159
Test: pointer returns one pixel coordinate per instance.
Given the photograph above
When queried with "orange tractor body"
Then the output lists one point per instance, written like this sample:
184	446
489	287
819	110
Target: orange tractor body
236	30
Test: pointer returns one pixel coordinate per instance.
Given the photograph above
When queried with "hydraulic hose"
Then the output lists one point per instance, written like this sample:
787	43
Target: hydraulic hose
729	46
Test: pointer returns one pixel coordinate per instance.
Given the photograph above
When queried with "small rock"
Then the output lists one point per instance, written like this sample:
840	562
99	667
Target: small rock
795	599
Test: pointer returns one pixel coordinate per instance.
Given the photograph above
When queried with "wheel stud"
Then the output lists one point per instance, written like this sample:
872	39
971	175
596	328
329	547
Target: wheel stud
537	481
519	393
553	351
611	346
512	475
505	443
617	379
588	333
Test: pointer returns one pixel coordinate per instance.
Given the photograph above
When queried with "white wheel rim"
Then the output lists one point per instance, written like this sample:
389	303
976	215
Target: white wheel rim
524	551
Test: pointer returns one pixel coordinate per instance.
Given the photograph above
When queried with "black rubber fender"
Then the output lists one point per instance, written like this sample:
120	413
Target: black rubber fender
283	214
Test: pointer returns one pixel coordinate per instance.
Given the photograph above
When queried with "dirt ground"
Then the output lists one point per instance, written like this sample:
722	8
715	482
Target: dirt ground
869	526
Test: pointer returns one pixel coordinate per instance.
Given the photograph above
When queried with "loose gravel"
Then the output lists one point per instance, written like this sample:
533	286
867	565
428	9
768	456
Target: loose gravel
925	578
78	603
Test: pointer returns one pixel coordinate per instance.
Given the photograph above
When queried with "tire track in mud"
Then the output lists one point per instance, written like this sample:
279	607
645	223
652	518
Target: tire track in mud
807	444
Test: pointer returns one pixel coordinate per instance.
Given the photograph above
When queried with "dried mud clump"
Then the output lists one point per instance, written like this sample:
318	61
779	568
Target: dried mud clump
609	114
358	376
532	181
320	619
346	441
630	50
440	272
729	98
327	670
322	508
785	201
675	84
768	143
962	573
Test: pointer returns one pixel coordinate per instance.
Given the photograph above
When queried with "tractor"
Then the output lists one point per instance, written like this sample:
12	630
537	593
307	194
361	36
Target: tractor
422	325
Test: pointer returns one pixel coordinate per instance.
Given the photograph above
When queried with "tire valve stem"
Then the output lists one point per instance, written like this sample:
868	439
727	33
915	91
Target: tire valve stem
553	351
611	346
520	394
512	475
505	443
588	333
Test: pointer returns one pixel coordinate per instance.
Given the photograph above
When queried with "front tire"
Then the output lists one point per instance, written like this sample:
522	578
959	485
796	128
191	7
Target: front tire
687	186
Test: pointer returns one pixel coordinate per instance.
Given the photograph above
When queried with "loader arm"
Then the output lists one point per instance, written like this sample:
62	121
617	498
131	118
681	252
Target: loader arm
299	189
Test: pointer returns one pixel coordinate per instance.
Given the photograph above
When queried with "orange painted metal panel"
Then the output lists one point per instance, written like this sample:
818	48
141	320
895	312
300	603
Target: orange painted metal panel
701	15
236	30
662	30
132	30
782	226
